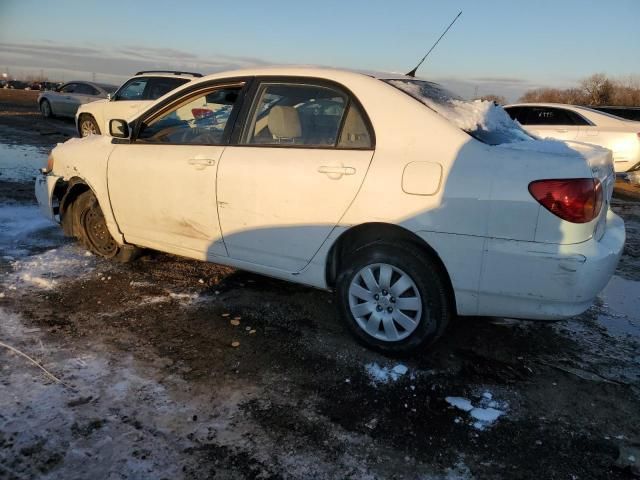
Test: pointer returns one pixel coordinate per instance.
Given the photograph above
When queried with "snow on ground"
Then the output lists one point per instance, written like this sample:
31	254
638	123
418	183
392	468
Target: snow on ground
48	269
20	163
23	228
35	250
484	413
379	374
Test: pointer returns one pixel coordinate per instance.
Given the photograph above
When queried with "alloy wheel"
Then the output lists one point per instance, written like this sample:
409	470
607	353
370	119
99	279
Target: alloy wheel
385	302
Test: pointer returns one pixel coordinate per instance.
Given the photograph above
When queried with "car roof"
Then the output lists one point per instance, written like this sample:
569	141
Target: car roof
305	71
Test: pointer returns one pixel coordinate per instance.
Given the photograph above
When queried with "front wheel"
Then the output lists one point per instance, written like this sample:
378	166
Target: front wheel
45	109
393	297
88	126
91	230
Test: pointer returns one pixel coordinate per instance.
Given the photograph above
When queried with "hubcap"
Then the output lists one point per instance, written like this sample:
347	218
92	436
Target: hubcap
97	232
385	302
46	109
88	128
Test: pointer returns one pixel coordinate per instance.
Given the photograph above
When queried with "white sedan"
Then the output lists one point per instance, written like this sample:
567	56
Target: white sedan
131	98
412	205
571	122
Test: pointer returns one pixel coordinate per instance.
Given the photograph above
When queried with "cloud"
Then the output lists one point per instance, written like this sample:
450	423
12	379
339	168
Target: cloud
114	63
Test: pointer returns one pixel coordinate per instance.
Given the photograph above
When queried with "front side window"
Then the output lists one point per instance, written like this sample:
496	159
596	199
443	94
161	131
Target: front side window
69	88
296	115
133	90
200	119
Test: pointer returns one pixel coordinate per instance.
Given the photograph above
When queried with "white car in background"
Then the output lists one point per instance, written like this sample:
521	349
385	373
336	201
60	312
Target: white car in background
410	204
132	97
583	124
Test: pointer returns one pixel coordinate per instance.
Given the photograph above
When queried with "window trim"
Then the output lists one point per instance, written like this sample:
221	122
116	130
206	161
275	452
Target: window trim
252	97
176	99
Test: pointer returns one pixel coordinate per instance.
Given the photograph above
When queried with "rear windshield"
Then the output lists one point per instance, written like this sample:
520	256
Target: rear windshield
483	120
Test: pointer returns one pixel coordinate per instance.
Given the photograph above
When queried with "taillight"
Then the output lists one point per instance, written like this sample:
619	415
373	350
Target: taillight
576	200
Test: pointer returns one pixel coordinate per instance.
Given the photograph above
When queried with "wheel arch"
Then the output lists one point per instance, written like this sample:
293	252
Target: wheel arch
79	118
74	187
366	234
45	99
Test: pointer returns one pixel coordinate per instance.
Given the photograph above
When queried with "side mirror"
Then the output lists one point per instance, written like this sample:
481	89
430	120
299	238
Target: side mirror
118	128
108	97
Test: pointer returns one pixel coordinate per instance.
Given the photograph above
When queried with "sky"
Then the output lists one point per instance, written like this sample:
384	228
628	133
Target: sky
502	47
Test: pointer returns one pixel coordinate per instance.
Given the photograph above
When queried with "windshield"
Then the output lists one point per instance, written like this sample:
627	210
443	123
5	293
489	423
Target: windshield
483	120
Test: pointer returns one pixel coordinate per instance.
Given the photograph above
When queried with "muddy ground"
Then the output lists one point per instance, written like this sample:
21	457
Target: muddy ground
151	386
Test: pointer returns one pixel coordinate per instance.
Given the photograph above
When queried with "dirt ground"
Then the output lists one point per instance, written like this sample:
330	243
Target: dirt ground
151	386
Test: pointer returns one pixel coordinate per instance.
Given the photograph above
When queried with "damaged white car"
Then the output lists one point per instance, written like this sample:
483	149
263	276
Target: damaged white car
409	203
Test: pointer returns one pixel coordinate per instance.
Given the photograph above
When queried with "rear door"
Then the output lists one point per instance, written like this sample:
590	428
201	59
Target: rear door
301	156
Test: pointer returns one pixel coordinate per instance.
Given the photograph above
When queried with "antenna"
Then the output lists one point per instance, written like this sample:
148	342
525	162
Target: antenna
412	73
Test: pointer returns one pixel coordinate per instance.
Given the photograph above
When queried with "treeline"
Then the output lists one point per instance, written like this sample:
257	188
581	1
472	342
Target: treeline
595	90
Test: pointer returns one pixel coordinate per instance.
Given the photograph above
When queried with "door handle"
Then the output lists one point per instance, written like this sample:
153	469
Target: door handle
201	163
562	130
336	172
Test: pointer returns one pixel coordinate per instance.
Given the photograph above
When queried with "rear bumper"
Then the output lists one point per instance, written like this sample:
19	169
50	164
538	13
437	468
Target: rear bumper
548	281
45	185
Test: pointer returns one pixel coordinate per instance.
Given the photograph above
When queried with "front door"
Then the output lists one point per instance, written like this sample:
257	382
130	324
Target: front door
163	185
299	163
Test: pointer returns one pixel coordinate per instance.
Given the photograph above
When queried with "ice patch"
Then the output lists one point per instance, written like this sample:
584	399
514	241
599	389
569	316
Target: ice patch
460	403
20	163
620	311
483	414
46	269
380	374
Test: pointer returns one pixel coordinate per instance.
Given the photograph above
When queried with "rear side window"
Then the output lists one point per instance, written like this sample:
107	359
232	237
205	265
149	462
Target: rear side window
305	115
548	116
84	89
157	87
295	115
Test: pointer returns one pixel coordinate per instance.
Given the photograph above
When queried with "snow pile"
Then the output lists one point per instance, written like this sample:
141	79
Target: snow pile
23	228
484	414
471	116
45	270
380	374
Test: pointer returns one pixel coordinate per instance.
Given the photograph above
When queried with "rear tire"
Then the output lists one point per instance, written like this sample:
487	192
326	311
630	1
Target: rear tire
91	229
394	298
45	109
87	125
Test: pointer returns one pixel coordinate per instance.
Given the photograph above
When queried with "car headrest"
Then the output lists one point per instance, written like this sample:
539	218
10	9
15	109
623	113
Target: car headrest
284	122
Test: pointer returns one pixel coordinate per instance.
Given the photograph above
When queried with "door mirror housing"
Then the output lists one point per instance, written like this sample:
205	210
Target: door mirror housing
119	128
109	97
